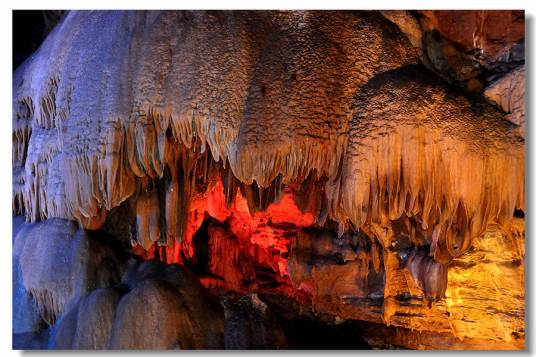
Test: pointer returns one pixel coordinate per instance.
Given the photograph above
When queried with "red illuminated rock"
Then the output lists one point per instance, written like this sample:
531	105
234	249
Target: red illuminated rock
495	35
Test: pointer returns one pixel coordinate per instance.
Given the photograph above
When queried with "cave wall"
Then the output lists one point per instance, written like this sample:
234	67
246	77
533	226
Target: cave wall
359	165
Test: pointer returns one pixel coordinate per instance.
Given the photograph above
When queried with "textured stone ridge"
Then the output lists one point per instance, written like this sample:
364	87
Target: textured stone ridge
105	117
108	121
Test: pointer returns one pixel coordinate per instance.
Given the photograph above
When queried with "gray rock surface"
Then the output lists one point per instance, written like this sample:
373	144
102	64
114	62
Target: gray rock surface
60	264
249	324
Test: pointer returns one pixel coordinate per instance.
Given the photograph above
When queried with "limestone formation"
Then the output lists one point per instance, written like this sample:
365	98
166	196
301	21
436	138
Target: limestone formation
60	264
323	165
89	324
508	93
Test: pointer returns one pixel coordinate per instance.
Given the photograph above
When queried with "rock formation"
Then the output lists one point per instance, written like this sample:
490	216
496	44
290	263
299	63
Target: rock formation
339	166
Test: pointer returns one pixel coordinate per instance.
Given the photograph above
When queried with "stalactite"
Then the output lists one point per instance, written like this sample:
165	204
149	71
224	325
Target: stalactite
151	113
413	166
49	304
148	216
430	276
46	111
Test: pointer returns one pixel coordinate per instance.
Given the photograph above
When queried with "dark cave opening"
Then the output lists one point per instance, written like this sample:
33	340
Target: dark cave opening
30	28
308	334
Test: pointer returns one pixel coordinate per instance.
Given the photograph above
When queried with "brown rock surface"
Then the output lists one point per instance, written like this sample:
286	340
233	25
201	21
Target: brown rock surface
470	48
508	93
156	316
408	24
484	297
497	35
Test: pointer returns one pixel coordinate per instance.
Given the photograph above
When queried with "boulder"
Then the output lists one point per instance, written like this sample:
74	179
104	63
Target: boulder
60	264
249	324
156	315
